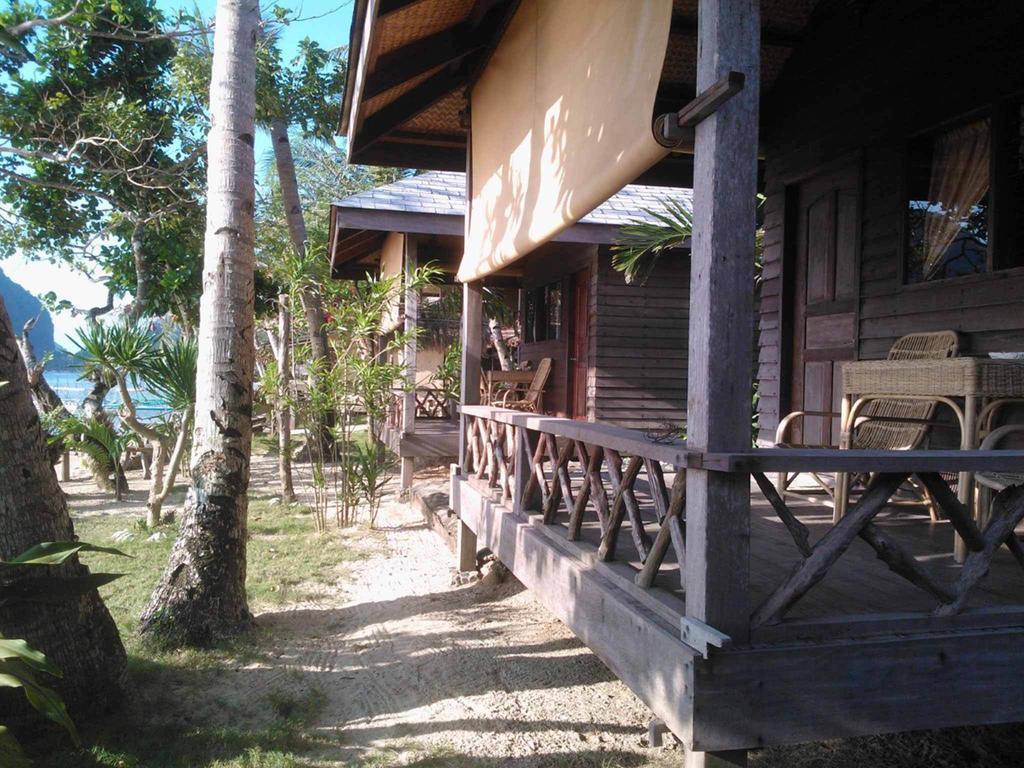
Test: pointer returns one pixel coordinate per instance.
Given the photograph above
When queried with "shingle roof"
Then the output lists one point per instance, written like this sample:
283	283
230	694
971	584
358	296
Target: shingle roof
443	192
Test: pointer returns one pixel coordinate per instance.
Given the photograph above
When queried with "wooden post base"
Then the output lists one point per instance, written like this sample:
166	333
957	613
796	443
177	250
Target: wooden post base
656	730
408	465
466	548
736	758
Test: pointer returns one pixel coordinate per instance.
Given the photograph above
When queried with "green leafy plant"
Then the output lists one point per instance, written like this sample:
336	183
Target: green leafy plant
446	377
641	243
95	438
20	663
374	465
167	367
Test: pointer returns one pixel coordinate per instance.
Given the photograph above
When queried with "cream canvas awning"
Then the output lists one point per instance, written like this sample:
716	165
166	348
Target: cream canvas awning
561	120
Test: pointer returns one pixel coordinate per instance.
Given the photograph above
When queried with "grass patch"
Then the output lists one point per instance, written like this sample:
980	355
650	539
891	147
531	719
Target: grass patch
183	710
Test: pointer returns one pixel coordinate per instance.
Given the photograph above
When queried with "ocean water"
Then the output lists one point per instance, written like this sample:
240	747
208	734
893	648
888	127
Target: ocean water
73	390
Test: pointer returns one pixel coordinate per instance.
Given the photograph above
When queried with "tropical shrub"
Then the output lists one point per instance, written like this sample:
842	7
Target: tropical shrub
20	663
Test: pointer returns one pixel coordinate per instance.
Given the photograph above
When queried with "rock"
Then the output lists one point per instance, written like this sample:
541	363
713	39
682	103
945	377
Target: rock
462	578
157	536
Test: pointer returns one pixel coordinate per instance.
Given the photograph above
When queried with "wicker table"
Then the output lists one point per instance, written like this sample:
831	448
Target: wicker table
980	382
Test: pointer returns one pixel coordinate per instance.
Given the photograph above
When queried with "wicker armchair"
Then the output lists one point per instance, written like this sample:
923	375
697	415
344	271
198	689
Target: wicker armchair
989	482
529	399
882	424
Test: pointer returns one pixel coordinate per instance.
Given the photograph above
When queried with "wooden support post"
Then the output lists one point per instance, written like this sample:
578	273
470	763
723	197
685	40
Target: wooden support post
65	466
411	302
736	758
656	730
472	344
717	569
721	319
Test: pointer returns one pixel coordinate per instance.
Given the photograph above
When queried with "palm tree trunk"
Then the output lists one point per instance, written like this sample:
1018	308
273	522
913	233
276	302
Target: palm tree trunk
201	595
46	399
284	413
312	301
78	635
498	339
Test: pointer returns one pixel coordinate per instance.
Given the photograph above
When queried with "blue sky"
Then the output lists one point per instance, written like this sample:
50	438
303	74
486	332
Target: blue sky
326	21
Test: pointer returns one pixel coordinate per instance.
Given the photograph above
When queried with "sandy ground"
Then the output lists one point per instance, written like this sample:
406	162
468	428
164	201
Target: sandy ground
410	663
413	668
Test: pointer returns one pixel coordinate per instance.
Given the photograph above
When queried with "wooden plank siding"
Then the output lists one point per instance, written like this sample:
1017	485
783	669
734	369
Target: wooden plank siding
638	339
640	353
858	89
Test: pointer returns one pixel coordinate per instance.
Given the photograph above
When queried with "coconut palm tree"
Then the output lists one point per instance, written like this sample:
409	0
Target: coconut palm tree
201	595
78	635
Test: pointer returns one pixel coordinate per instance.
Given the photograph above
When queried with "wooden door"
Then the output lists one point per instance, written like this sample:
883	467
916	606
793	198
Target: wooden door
579	345
824	298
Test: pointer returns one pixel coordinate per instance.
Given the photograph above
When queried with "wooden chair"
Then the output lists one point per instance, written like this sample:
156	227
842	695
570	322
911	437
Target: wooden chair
531	397
891	425
989	482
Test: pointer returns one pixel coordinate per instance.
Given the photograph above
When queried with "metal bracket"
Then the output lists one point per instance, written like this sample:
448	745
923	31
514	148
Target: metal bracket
701	636
675	129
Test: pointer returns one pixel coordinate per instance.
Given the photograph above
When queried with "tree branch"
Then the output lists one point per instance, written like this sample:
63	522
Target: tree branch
26	26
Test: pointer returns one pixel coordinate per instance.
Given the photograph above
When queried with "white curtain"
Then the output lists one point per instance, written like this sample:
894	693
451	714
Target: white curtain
959	180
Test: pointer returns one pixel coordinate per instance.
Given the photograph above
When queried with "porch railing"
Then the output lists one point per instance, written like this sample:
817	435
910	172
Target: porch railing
571	472
527	459
431	403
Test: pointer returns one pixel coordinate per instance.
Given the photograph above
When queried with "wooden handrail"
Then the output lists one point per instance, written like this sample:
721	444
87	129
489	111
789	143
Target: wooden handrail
757	459
856	460
617	438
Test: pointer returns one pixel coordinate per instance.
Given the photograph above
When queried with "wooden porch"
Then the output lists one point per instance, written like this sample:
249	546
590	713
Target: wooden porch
863	627
419	425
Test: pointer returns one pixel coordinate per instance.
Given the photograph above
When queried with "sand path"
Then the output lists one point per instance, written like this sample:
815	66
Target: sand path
410	665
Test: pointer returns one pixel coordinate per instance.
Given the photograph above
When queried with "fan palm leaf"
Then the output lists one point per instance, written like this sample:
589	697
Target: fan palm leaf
641	243
170	373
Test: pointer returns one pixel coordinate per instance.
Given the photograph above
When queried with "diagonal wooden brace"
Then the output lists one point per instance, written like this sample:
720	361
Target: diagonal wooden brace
829	549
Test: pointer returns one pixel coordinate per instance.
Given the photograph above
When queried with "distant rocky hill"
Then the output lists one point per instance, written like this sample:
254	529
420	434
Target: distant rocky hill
22	305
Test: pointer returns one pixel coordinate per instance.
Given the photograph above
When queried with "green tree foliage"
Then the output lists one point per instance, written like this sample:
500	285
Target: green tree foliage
101	162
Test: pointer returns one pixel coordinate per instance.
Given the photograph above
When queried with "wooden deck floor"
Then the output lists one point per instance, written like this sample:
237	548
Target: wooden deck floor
835	667
433	438
859	583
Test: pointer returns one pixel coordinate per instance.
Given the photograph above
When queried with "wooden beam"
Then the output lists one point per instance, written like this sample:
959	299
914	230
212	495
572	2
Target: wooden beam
770	36
721	319
854	460
628	441
472	345
385	7
411	318
483	26
355	246
413	59
407	106
792	693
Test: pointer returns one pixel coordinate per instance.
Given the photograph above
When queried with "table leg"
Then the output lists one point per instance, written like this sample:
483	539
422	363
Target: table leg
842	489
968	440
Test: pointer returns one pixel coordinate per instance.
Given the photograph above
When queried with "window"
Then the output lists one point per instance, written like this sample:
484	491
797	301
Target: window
964	189
543	313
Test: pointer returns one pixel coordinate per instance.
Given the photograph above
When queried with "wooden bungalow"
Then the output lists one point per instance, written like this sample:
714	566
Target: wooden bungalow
888	140
618	351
